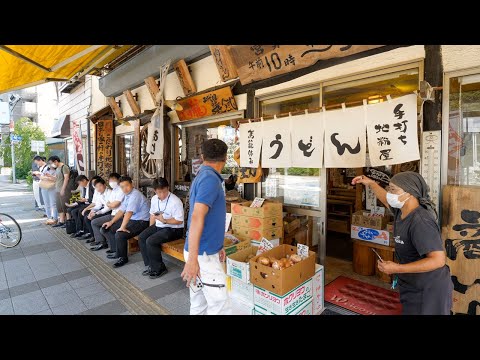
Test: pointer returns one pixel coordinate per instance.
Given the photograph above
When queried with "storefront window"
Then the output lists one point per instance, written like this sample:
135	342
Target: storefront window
464	131
70	153
125	154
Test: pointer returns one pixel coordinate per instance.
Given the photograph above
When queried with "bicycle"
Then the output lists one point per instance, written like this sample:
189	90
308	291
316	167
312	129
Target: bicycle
10	231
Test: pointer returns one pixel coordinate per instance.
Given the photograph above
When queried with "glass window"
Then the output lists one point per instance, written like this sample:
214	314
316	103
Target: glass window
464	131
70	153
124	154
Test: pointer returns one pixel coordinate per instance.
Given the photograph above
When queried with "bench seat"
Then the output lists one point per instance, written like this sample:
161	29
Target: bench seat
173	248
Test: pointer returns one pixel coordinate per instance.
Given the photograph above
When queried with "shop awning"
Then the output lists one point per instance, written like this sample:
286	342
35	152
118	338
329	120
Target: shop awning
22	66
61	128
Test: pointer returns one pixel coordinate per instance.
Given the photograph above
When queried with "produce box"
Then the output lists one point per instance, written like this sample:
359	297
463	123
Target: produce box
268	209
237	267
241	291
361	218
318	293
281	282
275	242
236	247
269	303
381	237
245	233
256	222
290	224
241	308
307	309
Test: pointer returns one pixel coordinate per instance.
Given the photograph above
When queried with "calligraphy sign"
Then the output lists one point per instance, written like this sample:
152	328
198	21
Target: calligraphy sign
77	140
207	104
251	135
345	138
223	60
307	145
378	175
392	131
249	175
258	62
276	148
104	144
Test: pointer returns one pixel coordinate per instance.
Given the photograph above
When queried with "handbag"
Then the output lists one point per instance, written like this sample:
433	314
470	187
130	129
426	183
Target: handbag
70	226
46	184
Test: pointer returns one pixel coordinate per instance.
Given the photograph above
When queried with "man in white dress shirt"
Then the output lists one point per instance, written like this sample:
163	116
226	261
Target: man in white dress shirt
166	224
97	208
113	203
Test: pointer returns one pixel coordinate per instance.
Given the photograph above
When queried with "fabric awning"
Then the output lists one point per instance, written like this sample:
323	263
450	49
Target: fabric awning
61	128
22	66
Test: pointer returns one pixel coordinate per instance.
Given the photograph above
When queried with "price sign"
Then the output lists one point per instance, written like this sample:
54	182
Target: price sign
302	250
265	245
430	164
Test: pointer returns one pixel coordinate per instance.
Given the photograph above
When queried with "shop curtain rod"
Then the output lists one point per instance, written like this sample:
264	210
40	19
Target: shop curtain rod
314	110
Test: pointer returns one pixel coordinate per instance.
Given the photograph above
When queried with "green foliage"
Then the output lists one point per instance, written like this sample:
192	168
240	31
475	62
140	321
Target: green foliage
300	171
23	154
30	180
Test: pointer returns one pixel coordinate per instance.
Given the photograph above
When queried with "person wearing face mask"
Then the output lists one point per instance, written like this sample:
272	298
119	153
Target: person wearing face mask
114	199
424	279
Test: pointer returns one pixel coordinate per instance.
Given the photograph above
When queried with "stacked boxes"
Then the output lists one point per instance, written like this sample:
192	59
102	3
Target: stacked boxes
370	228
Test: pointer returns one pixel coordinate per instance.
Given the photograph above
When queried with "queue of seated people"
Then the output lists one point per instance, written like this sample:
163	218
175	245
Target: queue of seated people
108	215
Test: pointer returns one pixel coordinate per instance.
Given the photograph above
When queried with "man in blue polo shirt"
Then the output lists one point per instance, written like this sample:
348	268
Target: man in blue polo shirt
135	212
204	251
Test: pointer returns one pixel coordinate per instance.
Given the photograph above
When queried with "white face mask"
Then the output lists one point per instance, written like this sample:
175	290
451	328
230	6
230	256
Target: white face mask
393	201
53	166
113	184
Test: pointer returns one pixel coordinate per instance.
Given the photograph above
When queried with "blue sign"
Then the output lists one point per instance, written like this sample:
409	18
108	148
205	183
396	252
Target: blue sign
368	234
15	138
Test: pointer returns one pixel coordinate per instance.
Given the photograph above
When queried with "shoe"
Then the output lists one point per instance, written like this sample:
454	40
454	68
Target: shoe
86	236
110	251
77	234
90	240
157	274
146	272
59	224
112	256
95	243
44	215
99	247
120	262
64	226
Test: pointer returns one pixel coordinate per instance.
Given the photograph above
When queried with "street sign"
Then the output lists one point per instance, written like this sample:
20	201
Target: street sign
4	113
38	145
15	139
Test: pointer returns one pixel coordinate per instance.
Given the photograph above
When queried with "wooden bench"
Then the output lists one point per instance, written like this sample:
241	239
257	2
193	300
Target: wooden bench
173	248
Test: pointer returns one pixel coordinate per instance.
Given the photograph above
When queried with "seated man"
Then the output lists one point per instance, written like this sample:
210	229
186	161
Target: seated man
86	199
166	224
134	217
96	209
114	199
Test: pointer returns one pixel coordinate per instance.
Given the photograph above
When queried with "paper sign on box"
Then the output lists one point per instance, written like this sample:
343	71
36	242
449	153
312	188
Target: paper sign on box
381	237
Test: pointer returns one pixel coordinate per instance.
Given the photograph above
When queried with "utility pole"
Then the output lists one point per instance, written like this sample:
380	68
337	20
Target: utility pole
12	129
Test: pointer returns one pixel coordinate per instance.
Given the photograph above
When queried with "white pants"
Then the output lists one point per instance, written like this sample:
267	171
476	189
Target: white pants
36	194
210	300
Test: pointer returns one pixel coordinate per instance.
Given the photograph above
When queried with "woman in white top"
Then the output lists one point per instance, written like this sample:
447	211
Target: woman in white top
166	224
48	195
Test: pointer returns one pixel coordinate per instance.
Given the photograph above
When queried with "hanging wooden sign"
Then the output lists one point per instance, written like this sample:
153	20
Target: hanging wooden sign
223	60
186	81
259	62
247	175
207	104
104	146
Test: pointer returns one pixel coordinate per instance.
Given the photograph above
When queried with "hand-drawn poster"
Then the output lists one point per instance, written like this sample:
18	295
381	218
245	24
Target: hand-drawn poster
250	144
307	144
276	148
345	138
104	161
392	131
77	140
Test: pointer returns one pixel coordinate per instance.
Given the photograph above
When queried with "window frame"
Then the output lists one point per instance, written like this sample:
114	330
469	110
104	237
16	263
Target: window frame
117	158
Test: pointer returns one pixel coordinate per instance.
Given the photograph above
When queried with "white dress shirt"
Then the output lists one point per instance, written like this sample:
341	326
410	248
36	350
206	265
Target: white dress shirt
116	195
172	207
100	201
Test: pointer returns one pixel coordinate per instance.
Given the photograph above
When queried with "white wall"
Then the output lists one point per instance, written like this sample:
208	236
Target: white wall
459	57
47	107
99	101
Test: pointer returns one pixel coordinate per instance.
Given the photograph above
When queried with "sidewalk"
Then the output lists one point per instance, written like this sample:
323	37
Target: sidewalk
51	273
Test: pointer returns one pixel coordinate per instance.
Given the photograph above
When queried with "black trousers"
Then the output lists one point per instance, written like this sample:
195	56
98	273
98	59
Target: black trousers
151	240
120	238
78	217
88	223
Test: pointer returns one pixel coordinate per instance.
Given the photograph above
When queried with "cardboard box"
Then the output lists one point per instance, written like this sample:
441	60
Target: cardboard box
236	247
241	308
381	237
281	282
305	310
268	209
244	233
241	291
361	218
275	242
255	222
291	303
318	290
290	224
237	267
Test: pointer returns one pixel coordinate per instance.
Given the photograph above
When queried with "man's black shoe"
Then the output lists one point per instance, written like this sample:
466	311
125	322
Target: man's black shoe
99	247
157	274
90	240
110	251
147	272
112	256
86	236
59	224
120	262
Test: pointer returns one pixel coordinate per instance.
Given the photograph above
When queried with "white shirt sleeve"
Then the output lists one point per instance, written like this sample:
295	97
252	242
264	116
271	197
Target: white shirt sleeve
177	210
154	205
97	201
104	199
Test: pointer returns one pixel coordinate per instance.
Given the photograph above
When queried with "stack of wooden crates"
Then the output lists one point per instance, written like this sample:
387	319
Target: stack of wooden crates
257	223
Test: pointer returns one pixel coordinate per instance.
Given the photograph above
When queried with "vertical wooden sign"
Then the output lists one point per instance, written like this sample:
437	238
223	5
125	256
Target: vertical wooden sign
223	60
104	145
185	78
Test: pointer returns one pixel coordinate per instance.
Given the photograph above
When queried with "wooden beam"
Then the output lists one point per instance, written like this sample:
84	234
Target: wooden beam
132	103
223	60
432	112
152	88
185	78
115	108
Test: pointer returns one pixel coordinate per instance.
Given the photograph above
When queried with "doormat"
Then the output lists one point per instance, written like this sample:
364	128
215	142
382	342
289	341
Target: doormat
362	298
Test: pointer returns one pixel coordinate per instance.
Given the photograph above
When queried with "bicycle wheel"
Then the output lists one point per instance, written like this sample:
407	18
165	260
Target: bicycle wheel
10	232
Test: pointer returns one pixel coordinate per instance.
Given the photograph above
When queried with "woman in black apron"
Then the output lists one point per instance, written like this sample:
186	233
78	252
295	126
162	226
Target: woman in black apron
423	277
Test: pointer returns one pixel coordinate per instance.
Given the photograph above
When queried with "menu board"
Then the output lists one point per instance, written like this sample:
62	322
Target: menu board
104	153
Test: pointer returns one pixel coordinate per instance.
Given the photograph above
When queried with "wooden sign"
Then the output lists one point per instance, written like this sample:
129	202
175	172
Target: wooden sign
258	62
461	234
185	78
207	104
115	108
223	60
132	103
152	88
104	145
247	175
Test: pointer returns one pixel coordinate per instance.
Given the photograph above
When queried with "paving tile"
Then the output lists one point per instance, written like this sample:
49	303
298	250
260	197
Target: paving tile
72	308
182	310
174	300
30	303
51	281
24	289
15	265
45	272
125	313
110	308
6	307
45	312
3	284
83	281
96	300
21	279
11	254
4	294
33	250
76	274
165	289
56	289
90	290
62	298
53	246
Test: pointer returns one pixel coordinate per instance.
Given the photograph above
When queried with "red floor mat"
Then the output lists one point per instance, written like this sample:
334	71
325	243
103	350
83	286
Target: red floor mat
362	298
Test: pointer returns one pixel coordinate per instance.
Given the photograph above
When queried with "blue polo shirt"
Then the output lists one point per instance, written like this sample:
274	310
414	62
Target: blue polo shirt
137	203
207	188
